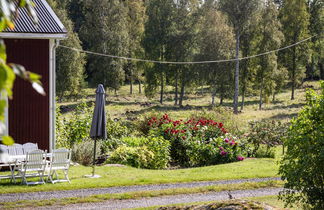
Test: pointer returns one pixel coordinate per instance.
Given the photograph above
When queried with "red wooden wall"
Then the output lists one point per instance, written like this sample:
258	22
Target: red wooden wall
29	111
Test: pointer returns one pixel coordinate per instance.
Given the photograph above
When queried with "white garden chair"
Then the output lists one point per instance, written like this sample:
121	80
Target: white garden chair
4	160
28	147
60	160
19	149
34	166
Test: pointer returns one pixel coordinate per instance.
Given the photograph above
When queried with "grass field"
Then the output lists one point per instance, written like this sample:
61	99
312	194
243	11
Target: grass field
124	105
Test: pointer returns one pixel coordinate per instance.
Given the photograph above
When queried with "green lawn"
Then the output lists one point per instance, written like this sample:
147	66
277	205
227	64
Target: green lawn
121	176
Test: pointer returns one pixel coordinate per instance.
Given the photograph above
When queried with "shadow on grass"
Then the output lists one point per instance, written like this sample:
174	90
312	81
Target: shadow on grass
246	103
292	106
283	116
161	108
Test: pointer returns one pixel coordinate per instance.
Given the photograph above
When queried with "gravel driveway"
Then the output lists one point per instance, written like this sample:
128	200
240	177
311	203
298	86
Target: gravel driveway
88	192
165	200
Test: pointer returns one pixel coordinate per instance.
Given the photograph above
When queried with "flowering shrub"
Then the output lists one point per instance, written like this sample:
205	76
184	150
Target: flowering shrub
142	152
196	142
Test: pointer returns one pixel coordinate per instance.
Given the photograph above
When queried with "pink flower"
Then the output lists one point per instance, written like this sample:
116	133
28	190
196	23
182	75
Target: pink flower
226	140
240	158
221	148
223	153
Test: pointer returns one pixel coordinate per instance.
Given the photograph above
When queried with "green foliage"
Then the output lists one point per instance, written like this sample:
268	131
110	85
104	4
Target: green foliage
116	129
302	167
294	17
219	150
136	21
216	43
75	128
105	31
240	13
82	152
156	36
150	152
270	38
265	135
196	142
69	64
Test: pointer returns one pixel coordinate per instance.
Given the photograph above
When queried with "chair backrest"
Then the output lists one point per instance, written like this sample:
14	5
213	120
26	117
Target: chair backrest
28	147
61	158
35	160
19	149
12	150
4	148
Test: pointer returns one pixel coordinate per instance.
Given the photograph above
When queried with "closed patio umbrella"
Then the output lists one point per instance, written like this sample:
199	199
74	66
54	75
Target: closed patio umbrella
98	127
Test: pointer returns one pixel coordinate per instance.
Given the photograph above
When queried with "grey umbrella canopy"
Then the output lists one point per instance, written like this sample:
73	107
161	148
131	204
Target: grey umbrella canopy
98	126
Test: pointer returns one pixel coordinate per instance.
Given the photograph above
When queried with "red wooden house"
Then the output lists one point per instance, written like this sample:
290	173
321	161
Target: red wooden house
30	116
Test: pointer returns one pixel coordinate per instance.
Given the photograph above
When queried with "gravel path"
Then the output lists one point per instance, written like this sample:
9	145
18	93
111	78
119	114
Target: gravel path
88	192
166	200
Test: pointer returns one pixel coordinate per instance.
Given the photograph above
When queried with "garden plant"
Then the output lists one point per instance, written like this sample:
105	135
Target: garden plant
302	167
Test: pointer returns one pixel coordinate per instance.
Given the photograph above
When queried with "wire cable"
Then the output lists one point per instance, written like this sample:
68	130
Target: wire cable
187	63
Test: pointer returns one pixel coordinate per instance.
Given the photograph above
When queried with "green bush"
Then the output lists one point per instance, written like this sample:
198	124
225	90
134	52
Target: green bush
82	152
264	136
197	141
74	128
143	152
139	157
302	166
116	130
223	149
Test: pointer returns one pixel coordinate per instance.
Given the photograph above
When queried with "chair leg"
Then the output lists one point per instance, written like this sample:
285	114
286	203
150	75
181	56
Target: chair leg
51	176
23	178
66	175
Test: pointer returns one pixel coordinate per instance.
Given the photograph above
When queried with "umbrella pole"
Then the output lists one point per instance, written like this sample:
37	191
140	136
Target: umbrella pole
94	157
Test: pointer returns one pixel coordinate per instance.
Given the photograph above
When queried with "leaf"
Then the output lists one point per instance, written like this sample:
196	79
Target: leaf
3	76
10	24
34	77
3	54
19	70
5	8
7	140
39	88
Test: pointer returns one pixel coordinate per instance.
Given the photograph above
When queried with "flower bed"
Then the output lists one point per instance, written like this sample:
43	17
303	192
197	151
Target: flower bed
196	142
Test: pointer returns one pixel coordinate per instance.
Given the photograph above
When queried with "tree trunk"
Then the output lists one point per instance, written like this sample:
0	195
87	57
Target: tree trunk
321	68
139	87
293	76
182	93
131	80
237	73
213	97
274	97
221	99
261	95
243	98
162	88
176	88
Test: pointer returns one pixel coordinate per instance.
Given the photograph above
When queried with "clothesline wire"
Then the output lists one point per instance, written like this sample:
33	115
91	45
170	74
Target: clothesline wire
187	63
